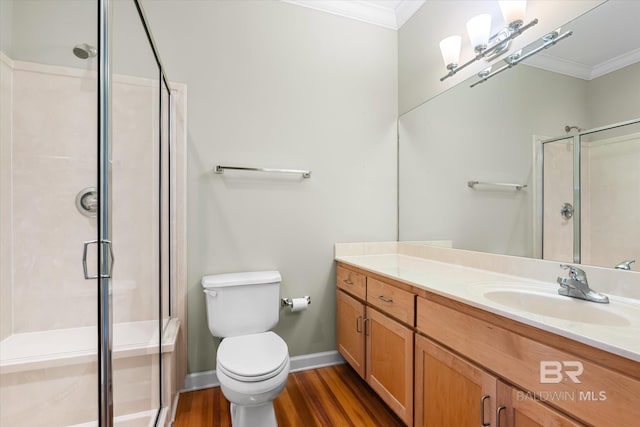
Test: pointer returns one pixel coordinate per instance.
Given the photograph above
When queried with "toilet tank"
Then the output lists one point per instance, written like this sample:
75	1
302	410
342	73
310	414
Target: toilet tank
242	303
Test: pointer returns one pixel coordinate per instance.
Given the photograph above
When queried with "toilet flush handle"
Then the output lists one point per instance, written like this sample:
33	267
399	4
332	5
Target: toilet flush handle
210	292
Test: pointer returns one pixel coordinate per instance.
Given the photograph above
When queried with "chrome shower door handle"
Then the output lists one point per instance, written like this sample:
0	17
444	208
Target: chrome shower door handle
107	275
84	259
85	270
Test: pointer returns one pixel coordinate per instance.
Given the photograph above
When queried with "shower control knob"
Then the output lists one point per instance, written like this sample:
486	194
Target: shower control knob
566	210
87	202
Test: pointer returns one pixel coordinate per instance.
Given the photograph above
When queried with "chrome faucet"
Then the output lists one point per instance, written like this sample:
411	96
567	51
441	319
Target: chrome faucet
576	286
625	265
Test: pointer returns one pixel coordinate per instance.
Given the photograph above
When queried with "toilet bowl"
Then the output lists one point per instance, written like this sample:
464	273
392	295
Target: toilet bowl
252	363
253	370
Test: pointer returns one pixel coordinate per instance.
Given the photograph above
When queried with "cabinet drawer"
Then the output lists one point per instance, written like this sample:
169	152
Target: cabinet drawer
352	282
396	302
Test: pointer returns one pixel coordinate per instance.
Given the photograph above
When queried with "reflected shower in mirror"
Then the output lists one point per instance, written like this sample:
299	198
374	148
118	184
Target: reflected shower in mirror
492	133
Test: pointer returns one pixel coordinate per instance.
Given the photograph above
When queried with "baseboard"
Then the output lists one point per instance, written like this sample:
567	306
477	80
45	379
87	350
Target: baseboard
208	379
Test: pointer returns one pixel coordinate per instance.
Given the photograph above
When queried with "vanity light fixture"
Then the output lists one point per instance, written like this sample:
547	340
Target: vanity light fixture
486	46
548	40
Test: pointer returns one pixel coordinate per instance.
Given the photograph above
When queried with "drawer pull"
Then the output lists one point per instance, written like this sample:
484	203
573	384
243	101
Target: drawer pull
358	325
498	411
348	282
385	299
485	397
366	329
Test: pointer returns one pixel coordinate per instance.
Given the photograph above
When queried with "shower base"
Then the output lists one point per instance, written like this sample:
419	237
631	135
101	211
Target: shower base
51	377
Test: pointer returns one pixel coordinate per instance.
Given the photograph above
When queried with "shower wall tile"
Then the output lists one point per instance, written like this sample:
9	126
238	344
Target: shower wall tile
135	199
54	158
557	237
54	149
613	204
6	292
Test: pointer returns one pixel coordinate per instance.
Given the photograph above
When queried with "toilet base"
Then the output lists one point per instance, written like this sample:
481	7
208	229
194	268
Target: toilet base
253	416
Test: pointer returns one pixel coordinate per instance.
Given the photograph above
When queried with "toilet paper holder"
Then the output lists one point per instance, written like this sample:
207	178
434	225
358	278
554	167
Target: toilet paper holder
289	301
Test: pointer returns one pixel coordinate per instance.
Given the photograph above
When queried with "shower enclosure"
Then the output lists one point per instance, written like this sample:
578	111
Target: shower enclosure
589	195
89	128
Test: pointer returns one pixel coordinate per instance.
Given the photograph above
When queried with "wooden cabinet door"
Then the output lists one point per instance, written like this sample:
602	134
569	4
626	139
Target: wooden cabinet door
523	409
390	362
449	391
350	330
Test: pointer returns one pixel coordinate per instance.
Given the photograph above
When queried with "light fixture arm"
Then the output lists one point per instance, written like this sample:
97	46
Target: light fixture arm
513	34
515	62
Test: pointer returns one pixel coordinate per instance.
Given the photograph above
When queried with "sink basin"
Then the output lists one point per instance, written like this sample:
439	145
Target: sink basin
556	306
543	300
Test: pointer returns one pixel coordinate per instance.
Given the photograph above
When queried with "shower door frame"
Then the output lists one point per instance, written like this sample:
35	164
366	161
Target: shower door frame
105	257
577	188
105	309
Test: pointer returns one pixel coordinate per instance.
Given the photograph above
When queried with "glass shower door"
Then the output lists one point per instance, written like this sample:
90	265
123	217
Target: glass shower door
590	196
611	195
48	184
137	214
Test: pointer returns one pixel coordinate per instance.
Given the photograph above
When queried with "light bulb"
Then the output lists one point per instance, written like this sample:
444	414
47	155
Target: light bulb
479	30
450	48
513	12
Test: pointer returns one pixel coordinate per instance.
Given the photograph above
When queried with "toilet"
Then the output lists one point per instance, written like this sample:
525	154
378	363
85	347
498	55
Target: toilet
252	362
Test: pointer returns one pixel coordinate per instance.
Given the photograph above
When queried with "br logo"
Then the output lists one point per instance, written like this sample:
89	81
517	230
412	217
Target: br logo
554	372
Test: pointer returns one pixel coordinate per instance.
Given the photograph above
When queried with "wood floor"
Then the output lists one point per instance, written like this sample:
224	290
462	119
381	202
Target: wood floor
333	396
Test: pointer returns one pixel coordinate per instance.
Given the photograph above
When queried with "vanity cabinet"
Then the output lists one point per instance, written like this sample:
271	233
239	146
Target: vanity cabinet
519	409
375	337
591	387
449	391
474	367
350	332
389	367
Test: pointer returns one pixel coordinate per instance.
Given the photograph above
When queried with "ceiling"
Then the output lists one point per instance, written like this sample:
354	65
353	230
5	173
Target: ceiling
589	54
603	40
386	13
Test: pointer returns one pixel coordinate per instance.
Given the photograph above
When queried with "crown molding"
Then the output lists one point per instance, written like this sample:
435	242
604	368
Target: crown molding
405	10
581	71
366	11
616	63
559	65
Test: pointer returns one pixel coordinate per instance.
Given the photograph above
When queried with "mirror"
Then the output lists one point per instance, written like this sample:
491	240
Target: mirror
492	133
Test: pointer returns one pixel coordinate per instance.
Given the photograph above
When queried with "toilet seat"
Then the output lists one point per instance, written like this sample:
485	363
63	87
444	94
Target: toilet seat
254	357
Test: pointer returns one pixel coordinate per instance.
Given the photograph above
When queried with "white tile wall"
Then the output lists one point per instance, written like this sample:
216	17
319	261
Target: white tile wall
48	156
6	295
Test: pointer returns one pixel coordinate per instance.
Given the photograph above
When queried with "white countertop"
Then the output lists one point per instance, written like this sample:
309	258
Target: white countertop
620	333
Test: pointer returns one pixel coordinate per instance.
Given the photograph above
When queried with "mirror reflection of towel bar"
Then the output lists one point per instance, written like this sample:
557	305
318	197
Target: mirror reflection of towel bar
305	173
472	184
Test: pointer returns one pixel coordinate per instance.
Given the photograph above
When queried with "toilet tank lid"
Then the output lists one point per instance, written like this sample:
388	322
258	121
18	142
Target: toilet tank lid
239	279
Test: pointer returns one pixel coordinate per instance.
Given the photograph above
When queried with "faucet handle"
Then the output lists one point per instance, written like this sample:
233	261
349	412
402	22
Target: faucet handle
575	273
625	265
